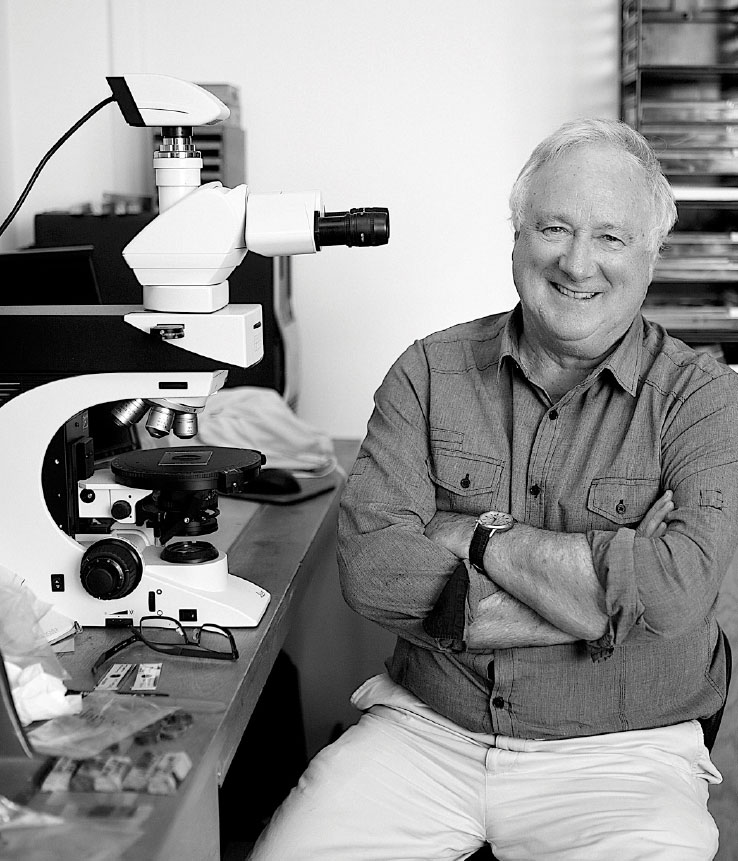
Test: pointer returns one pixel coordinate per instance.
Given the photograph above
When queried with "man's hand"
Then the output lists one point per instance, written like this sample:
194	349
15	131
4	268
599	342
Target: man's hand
452	531
657	517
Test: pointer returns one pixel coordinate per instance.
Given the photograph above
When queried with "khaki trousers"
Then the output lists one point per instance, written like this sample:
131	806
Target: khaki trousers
404	783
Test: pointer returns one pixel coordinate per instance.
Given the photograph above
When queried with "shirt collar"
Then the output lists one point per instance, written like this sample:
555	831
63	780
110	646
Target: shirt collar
509	344
625	360
623	363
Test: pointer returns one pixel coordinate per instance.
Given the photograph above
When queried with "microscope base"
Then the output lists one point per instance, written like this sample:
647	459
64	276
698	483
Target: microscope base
203	592
194	594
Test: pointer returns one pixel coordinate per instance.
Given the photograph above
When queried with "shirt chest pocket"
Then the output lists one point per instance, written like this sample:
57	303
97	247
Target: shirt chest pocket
620	501
465	482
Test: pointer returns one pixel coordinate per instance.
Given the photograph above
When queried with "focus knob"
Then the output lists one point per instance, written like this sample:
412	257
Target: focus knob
110	569
121	509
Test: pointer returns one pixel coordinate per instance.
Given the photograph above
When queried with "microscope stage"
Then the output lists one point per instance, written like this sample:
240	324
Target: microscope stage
188	468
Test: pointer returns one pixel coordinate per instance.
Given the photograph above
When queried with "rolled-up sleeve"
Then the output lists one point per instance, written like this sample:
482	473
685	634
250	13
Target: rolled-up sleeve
661	587
390	572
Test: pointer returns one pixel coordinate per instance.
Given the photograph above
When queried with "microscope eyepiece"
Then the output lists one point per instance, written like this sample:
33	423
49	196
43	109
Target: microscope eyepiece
358	227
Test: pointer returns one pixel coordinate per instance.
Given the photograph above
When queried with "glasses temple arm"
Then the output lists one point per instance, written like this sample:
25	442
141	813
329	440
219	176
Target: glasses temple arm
118	647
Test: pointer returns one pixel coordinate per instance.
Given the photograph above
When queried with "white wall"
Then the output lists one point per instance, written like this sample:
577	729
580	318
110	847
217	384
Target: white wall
429	107
426	106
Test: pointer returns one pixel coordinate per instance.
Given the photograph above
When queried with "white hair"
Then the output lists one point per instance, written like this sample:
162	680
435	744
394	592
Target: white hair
623	138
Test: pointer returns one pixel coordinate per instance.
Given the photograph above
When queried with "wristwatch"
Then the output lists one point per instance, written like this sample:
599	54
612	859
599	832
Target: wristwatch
489	522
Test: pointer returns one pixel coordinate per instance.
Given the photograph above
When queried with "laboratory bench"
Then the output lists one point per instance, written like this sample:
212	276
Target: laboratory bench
280	547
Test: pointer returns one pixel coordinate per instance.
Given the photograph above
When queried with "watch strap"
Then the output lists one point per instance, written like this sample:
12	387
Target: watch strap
478	545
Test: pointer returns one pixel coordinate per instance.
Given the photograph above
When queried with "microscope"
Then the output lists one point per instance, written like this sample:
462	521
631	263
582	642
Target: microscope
107	543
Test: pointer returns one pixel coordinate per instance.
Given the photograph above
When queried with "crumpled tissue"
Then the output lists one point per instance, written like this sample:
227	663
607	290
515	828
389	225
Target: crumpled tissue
252	417
38	695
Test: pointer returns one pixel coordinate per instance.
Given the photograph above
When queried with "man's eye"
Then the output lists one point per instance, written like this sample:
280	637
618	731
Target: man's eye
612	240
553	230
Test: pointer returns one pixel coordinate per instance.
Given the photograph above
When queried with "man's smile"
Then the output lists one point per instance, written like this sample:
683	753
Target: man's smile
572	294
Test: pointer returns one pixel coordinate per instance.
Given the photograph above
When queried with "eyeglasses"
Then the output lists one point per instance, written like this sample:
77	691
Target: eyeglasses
167	635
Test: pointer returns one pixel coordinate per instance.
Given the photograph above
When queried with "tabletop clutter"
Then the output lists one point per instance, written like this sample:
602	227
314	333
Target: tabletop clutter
116	747
95	750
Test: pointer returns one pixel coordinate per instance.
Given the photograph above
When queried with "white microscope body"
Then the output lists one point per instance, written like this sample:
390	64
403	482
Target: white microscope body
100	556
37	549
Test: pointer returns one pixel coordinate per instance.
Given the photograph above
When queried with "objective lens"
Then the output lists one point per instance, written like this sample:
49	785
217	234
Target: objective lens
126	413
185	425
357	227
159	422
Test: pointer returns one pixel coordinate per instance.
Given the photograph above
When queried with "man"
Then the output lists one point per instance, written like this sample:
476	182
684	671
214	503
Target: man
555	656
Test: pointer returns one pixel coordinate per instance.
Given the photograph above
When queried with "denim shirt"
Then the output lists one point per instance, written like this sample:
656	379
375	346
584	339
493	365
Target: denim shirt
458	426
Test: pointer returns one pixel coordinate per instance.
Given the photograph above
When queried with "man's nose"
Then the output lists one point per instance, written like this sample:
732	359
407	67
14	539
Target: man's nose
577	259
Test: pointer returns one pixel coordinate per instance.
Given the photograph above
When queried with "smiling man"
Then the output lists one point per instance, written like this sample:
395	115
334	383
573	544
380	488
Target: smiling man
542	511
583	259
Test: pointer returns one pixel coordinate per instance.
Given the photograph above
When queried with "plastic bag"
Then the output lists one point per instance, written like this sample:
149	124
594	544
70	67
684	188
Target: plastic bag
22	642
105	720
80	839
32	668
87	831
14	815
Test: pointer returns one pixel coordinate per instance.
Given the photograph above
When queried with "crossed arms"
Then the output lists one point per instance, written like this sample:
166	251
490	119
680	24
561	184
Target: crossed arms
539	587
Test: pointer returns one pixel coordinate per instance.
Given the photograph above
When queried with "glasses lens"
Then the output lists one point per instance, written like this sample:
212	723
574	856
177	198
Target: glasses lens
214	640
163	632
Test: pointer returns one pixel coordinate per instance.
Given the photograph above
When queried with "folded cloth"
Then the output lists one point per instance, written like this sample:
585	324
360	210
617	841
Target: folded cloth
250	417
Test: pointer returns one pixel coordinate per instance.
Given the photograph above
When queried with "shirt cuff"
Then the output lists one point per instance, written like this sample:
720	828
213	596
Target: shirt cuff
447	620
613	557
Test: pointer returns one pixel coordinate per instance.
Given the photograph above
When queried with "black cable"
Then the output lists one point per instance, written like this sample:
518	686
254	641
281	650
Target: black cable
42	163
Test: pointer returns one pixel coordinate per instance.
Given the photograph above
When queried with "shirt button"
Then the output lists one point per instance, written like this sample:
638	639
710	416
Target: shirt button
620	507
465	481
554	414
535	490
498	702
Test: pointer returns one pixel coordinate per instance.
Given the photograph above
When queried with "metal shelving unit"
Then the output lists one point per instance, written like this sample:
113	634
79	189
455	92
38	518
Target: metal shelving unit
679	88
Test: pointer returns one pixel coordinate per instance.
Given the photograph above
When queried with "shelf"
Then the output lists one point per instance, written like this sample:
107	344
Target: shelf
682	72
715	194
695	325
716	16
703	277
679	87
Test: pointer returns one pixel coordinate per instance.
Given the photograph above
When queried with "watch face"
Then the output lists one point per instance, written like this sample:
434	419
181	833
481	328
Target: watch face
496	520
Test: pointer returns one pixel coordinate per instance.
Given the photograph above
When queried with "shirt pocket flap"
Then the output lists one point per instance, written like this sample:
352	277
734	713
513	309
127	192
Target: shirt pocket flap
466	474
622	500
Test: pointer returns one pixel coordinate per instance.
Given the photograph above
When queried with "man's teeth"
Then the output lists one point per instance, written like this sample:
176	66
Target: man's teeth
573	294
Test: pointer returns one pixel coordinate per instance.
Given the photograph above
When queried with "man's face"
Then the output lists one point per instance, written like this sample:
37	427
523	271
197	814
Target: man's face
581	261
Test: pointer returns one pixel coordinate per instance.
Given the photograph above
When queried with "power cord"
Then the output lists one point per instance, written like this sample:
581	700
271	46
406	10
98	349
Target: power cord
44	160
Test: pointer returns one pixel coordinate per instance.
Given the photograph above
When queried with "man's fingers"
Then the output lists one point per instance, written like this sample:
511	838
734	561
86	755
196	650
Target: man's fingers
654	522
